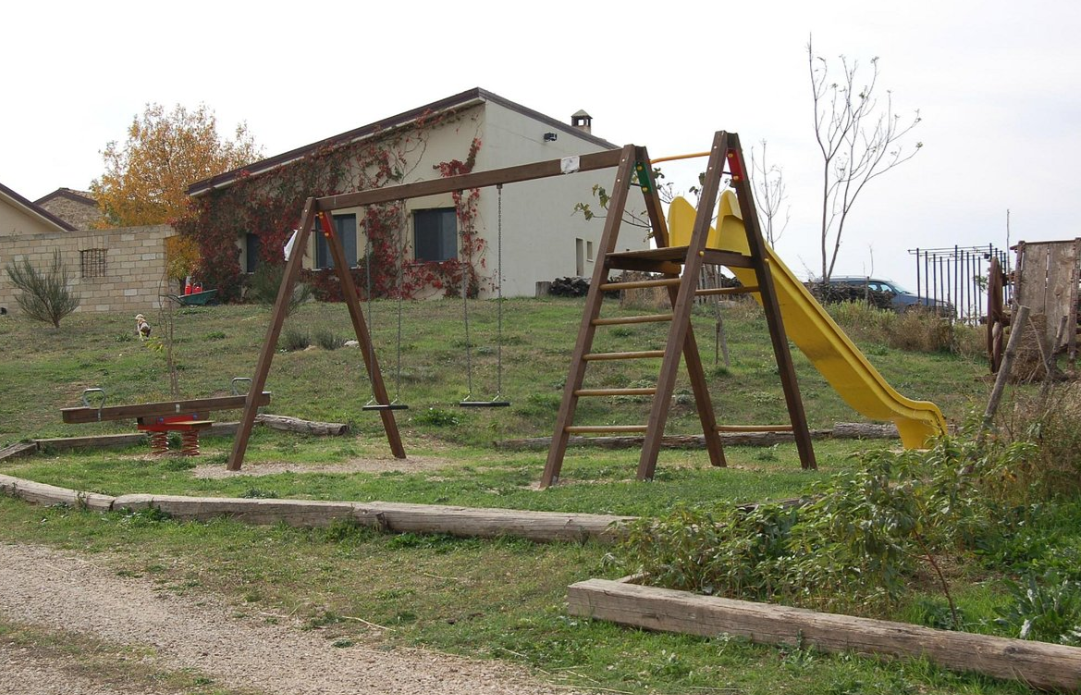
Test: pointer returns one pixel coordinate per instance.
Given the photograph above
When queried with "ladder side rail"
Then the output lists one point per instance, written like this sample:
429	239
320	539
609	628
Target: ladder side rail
771	305
679	329
587	329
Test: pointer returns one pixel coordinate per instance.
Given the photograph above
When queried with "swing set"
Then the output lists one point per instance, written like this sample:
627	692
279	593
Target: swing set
678	266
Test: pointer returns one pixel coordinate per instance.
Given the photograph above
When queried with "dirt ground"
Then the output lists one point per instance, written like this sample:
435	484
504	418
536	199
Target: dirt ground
61	591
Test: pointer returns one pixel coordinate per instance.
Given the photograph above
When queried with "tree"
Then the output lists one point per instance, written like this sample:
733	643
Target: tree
145	180
769	192
46	295
859	139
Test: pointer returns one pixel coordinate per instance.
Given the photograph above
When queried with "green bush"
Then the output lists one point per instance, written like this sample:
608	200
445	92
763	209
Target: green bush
327	340
265	282
45	293
294	339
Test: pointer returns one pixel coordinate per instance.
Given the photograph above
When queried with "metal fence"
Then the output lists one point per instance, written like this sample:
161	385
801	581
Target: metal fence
958	275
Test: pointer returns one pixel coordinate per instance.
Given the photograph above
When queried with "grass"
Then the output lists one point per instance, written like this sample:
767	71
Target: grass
497	599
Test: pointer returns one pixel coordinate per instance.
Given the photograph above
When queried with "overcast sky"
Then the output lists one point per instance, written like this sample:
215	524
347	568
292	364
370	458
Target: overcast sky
998	85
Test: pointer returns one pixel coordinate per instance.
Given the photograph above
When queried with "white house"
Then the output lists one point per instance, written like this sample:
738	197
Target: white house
542	236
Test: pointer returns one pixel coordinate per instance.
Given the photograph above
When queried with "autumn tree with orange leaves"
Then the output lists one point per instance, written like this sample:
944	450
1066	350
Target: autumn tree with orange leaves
146	178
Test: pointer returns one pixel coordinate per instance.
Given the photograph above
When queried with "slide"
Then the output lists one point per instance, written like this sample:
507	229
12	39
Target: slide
814	332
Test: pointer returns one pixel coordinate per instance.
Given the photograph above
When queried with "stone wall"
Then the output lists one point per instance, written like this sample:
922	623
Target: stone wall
110	270
80	213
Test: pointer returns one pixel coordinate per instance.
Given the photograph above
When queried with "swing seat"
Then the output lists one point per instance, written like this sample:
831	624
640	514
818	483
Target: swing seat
385	406
484	404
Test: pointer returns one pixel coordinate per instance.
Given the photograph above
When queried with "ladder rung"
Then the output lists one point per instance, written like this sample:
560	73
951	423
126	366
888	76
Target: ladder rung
616	392
643	354
639	284
726	290
622	320
754	428
595	429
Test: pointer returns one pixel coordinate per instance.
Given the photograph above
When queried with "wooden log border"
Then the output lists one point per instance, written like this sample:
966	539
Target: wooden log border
393	517
1038	664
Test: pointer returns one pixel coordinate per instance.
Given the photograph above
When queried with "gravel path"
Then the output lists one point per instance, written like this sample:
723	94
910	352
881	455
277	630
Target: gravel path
61	591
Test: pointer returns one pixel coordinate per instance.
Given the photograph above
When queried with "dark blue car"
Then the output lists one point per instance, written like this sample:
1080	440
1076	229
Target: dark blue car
900	298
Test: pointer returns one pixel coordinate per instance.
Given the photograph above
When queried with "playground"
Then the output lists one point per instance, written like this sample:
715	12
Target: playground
520	369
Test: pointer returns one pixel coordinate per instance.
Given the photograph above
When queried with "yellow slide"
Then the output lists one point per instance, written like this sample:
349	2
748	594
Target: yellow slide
811	328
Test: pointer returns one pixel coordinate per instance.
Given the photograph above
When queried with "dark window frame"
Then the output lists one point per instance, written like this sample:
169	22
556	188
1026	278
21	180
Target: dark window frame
440	223
349	238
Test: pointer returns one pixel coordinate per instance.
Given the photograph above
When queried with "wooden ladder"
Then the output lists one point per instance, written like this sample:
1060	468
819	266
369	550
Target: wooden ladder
678	268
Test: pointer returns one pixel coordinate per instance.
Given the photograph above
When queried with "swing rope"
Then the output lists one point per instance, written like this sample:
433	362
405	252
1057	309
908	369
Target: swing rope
497	401
394	404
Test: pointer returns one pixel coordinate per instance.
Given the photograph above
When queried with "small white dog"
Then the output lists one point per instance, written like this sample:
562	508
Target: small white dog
142	328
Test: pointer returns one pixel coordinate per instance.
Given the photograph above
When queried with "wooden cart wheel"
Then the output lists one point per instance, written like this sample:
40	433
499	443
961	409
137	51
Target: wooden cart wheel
996	315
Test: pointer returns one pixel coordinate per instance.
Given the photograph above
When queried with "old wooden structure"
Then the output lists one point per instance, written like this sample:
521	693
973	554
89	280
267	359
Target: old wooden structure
1046	278
678	266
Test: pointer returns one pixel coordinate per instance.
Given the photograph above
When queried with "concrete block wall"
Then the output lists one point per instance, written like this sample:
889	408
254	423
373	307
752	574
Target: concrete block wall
134	271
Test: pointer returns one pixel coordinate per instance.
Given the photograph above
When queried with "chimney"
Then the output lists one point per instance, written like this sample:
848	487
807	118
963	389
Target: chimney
582	121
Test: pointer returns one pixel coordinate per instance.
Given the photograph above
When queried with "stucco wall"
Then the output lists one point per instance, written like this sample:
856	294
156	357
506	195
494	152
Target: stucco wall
133	271
14	221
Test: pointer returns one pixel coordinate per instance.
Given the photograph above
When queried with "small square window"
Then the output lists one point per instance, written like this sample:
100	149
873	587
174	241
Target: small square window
92	263
346	228
435	234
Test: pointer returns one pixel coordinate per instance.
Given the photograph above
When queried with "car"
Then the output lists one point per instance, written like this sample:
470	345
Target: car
900	299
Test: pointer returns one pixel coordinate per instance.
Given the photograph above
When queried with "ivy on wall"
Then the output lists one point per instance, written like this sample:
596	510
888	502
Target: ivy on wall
269	206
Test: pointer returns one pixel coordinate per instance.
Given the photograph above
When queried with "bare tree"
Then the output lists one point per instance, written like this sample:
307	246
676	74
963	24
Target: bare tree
769	191
860	139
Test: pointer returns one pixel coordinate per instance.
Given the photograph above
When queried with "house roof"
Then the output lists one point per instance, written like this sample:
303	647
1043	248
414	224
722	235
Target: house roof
466	98
83	197
33	209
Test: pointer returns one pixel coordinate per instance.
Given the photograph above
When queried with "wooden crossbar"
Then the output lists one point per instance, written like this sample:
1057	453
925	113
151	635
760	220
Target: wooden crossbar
639	284
84	414
642	354
625	320
754	428
599	429
726	290
616	392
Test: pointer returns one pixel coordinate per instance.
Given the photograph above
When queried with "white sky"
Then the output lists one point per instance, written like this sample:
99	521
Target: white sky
998	85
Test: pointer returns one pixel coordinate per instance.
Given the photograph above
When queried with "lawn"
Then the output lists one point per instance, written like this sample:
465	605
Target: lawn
498	599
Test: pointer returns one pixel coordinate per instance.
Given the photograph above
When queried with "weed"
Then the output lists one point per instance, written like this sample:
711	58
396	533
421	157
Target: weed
257	493
327	340
294	339
1047	609
437	417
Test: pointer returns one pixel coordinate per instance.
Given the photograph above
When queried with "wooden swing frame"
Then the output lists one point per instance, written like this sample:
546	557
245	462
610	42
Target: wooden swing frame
670	261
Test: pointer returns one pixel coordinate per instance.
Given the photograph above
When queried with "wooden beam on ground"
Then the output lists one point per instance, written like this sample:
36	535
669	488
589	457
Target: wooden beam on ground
18	449
1038	664
292	424
392	517
50	495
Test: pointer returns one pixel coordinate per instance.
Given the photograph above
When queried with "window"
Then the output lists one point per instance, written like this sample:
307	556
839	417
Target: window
345	226
92	263
251	260
435	234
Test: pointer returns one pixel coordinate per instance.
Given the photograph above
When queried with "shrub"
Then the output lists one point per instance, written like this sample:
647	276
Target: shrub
327	340
45	294
295	339
265	282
